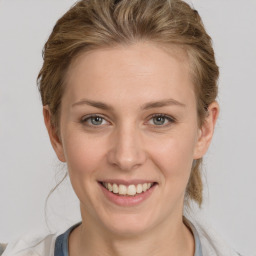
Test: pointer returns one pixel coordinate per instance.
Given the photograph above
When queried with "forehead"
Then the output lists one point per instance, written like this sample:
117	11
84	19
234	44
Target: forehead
145	71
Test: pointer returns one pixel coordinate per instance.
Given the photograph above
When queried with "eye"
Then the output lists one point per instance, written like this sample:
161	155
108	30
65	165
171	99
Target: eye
93	120
161	120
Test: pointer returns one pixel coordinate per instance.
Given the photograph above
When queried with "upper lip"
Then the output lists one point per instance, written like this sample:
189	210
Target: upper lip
127	182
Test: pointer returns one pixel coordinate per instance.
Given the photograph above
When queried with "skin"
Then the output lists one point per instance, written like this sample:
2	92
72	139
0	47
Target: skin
131	144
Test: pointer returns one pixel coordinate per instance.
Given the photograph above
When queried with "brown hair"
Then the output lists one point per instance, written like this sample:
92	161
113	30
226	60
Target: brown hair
93	24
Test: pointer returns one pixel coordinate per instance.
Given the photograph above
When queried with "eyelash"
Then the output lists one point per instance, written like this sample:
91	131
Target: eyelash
171	120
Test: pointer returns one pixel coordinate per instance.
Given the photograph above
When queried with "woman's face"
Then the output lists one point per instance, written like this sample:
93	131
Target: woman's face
128	117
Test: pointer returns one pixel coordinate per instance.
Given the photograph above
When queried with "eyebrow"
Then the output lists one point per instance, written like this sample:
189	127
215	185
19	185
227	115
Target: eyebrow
149	105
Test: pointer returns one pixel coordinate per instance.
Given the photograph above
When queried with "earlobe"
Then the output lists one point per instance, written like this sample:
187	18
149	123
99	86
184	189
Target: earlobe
55	141
206	131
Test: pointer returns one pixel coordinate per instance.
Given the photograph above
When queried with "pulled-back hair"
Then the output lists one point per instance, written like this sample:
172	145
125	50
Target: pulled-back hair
94	24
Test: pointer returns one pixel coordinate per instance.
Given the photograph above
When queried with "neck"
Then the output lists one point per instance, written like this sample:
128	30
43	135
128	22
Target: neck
173	238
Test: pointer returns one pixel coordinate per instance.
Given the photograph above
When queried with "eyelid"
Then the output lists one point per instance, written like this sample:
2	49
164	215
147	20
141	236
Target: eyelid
169	118
87	117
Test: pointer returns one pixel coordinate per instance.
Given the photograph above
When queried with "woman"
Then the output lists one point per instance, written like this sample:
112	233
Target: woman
129	101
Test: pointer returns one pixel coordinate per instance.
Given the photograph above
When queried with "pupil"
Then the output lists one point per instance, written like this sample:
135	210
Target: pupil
159	120
96	120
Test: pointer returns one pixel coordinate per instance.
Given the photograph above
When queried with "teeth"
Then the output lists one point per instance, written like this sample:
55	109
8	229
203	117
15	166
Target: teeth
131	190
144	187
115	188
139	188
122	190
109	187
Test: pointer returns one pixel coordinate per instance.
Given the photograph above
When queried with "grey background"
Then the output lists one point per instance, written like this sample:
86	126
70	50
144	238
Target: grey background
29	168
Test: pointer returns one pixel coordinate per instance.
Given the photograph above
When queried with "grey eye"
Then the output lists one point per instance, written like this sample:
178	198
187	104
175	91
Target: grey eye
93	121
96	120
159	120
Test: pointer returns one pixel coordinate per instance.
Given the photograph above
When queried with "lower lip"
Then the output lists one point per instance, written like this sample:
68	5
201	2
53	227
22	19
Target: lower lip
127	200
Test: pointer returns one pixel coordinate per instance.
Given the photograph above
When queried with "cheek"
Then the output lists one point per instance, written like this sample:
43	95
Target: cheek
82	153
84	157
174	156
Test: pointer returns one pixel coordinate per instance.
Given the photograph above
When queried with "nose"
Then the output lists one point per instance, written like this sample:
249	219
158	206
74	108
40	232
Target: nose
126	152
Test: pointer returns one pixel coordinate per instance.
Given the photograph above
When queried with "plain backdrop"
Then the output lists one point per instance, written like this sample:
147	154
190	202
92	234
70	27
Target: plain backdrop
29	167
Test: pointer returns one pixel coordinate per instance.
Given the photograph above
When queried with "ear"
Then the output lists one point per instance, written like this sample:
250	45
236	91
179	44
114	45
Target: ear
55	141
206	131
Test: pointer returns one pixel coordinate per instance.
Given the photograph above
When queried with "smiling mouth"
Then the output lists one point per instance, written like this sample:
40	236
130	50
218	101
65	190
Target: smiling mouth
128	190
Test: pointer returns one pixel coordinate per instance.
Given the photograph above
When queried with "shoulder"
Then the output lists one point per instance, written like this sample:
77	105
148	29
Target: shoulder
211	242
32	245
2	248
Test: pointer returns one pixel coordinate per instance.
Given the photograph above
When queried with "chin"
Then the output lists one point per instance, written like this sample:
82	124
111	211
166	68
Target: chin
128	229
128	224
